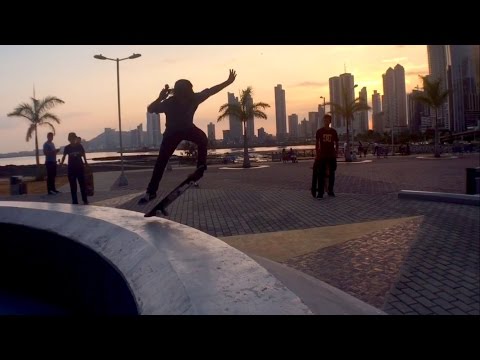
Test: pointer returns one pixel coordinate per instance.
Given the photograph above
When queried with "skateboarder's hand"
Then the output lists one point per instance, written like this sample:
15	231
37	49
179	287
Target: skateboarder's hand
231	76
164	93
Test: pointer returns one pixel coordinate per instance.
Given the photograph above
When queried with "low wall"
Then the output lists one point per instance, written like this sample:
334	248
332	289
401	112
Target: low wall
153	266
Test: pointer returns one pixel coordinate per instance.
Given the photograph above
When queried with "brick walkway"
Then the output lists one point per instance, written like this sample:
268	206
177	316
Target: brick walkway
425	266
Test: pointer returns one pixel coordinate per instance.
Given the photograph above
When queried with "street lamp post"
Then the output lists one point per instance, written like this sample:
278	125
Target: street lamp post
122	180
324	110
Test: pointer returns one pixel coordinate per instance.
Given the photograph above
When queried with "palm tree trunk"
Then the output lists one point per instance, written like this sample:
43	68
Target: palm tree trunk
246	159
348	157
37	156
436	148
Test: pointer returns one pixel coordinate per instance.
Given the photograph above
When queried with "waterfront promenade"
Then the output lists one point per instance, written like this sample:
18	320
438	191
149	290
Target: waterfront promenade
401	256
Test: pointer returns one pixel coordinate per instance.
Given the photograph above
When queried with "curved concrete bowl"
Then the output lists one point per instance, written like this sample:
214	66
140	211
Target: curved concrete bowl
151	266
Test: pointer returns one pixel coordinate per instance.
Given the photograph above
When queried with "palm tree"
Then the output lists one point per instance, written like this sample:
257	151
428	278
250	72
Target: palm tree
37	114
347	110
435	97
243	111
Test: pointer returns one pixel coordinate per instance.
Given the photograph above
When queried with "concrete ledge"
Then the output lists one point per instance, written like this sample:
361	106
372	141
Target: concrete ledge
440	197
169	268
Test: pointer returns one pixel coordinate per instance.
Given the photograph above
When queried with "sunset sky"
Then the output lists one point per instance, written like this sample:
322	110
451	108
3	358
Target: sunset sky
89	86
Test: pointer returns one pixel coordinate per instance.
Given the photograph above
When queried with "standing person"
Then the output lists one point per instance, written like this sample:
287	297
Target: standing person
75	152
50	153
327	149
179	110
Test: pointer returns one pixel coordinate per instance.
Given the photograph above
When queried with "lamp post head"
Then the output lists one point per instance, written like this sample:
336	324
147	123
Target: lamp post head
100	57
134	56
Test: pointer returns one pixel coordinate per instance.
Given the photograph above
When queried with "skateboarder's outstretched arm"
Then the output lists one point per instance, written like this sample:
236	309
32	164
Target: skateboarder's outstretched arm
231	78
156	106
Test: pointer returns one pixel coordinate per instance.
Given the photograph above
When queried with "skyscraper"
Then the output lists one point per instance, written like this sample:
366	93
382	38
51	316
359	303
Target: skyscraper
234	122
211	131
280	112
377	124
395	97
465	86
417	110
437	68
339	87
293	126
361	124
154	132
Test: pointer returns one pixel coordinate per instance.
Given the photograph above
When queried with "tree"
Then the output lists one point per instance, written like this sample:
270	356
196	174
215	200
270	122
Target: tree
435	97
347	110
243	111
37	114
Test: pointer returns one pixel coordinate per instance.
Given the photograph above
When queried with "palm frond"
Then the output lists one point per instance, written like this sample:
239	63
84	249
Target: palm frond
48	116
48	103
30	132
48	124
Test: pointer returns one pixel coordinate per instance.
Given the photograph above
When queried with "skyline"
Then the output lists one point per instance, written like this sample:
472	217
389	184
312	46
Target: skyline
89	86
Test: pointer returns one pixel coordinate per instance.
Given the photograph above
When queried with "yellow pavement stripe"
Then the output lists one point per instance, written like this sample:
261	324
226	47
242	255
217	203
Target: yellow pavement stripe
282	245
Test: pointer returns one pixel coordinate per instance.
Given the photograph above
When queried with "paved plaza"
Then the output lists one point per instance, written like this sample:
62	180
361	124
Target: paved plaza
401	256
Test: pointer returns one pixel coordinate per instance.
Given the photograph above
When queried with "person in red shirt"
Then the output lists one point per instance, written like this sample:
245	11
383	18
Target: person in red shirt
326	155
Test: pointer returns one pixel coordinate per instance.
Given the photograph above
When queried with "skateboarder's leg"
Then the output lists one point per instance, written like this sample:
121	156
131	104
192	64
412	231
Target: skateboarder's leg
169	144
198	137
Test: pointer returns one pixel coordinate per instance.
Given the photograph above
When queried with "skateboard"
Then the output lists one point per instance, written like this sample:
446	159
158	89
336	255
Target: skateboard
161	206
89	187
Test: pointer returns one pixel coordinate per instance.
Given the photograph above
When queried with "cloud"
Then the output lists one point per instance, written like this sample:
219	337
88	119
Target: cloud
415	72
311	84
76	114
395	60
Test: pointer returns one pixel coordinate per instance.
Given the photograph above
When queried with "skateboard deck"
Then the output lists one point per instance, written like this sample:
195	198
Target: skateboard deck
173	195
89	186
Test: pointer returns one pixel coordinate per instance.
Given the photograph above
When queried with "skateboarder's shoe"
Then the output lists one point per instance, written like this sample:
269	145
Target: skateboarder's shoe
146	198
197	174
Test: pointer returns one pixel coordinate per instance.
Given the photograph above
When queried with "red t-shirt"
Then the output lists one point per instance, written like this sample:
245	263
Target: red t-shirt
327	139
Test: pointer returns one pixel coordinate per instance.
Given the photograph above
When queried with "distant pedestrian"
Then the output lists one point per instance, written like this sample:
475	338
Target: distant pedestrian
50	153
76	171
327	150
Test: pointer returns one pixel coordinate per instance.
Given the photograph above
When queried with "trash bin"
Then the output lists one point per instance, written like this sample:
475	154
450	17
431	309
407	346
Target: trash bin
15	185
472	175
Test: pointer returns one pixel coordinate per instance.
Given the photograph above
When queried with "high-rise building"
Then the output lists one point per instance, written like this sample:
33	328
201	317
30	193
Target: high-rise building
465	85
312	124
321	114
236	132
360	124
395	97
293	126
211	131
262	135
154	132
341	89
377	124
416	111
280	112
438	68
